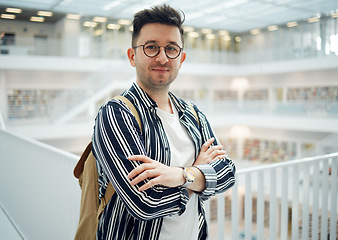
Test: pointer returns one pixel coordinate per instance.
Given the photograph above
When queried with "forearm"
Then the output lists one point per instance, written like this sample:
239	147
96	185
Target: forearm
199	183
111	154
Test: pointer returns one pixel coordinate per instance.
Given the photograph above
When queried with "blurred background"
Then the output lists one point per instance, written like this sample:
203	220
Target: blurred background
265	72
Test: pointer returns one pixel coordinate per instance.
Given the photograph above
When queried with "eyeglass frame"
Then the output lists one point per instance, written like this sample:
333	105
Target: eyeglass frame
159	49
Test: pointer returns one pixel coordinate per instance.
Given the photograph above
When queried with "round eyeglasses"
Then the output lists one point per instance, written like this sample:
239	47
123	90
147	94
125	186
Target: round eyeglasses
152	49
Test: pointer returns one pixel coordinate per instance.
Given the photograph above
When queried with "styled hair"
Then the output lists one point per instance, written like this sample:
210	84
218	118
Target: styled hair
163	14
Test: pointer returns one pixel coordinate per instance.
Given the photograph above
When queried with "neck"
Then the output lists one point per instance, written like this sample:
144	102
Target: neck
160	96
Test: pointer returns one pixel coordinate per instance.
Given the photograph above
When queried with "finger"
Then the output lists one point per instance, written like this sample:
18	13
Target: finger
148	174
143	167
149	184
140	158
217	153
220	157
207	144
213	148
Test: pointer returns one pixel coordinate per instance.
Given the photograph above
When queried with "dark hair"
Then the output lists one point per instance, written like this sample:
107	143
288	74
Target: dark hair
163	14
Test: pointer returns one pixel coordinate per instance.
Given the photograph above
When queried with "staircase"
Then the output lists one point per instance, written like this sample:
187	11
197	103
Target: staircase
79	98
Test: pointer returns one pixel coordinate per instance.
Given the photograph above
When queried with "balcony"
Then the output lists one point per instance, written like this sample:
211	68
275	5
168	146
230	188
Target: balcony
289	200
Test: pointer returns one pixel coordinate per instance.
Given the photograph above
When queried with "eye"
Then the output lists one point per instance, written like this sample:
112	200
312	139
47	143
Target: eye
151	46
172	48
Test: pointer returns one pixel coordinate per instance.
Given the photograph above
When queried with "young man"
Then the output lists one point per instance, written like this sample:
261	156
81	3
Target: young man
164	171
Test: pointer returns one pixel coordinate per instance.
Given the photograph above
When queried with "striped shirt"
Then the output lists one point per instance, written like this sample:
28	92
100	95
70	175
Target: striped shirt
131	214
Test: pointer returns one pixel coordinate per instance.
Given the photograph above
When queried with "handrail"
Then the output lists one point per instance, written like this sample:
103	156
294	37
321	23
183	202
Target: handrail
43	196
2	122
286	163
38	190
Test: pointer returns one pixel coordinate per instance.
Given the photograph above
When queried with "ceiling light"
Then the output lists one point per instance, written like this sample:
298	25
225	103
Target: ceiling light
131	28
292	24
223	33
206	31
124	22
73	16
334	15
188	29
113	26
89	24
314	19
193	34
255	31
45	13
37	19
227	38
100	19
238	39
210	36
7	16
13	10
273	28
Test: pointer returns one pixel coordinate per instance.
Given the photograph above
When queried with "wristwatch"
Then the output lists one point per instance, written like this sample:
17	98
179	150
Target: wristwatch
189	176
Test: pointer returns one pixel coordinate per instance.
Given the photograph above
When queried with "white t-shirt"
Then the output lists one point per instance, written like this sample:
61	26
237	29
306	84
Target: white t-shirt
182	149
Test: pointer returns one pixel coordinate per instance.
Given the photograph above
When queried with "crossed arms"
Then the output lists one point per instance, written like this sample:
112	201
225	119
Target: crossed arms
148	187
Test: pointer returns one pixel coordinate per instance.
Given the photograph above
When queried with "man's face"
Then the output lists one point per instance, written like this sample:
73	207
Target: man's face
160	71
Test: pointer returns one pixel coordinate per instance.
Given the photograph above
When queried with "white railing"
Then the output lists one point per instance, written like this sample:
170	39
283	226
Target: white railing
289	200
38	190
26	46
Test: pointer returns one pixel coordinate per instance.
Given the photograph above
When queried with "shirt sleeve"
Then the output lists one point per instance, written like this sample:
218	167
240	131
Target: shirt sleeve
219	175
117	136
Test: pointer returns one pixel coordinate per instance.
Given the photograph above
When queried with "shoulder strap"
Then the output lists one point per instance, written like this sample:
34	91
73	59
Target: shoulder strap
110	189
194	112
131	107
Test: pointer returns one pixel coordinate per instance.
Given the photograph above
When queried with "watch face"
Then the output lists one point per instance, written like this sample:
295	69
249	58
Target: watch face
190	174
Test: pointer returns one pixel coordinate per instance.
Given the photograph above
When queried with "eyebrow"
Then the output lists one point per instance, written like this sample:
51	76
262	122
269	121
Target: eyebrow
153	41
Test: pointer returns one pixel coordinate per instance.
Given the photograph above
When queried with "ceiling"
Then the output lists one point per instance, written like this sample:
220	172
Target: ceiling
230	15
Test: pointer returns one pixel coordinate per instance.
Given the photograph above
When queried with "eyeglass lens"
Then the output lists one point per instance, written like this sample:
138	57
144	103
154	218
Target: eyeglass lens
171	50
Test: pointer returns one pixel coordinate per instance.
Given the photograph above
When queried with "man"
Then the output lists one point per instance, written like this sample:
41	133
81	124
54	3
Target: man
163	171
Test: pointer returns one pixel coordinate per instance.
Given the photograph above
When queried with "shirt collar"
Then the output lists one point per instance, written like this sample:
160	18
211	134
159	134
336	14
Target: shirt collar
150	103
143	96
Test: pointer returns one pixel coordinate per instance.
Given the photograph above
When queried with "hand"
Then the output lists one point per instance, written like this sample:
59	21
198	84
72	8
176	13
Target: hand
156	172
210	153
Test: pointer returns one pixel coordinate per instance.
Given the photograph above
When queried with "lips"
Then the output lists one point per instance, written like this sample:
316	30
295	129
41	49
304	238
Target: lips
160	69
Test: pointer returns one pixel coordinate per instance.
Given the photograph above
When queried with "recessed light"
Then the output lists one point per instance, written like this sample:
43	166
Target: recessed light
45	13
89	24
37	19
100	19
7	16
255	31
113	26
273	28
13	10
292	24
124	22
314	19
193	34
73	16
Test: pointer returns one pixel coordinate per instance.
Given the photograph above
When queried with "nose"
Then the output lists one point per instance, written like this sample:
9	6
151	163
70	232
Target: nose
161	56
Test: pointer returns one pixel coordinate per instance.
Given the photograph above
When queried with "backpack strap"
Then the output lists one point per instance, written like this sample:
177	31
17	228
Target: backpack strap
110	189
132	109
194	112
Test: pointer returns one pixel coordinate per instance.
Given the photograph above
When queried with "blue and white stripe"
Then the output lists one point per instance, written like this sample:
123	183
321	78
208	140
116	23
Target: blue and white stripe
132	214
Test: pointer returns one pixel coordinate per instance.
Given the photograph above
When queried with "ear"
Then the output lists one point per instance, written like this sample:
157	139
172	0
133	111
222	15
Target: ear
131	56
183	56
